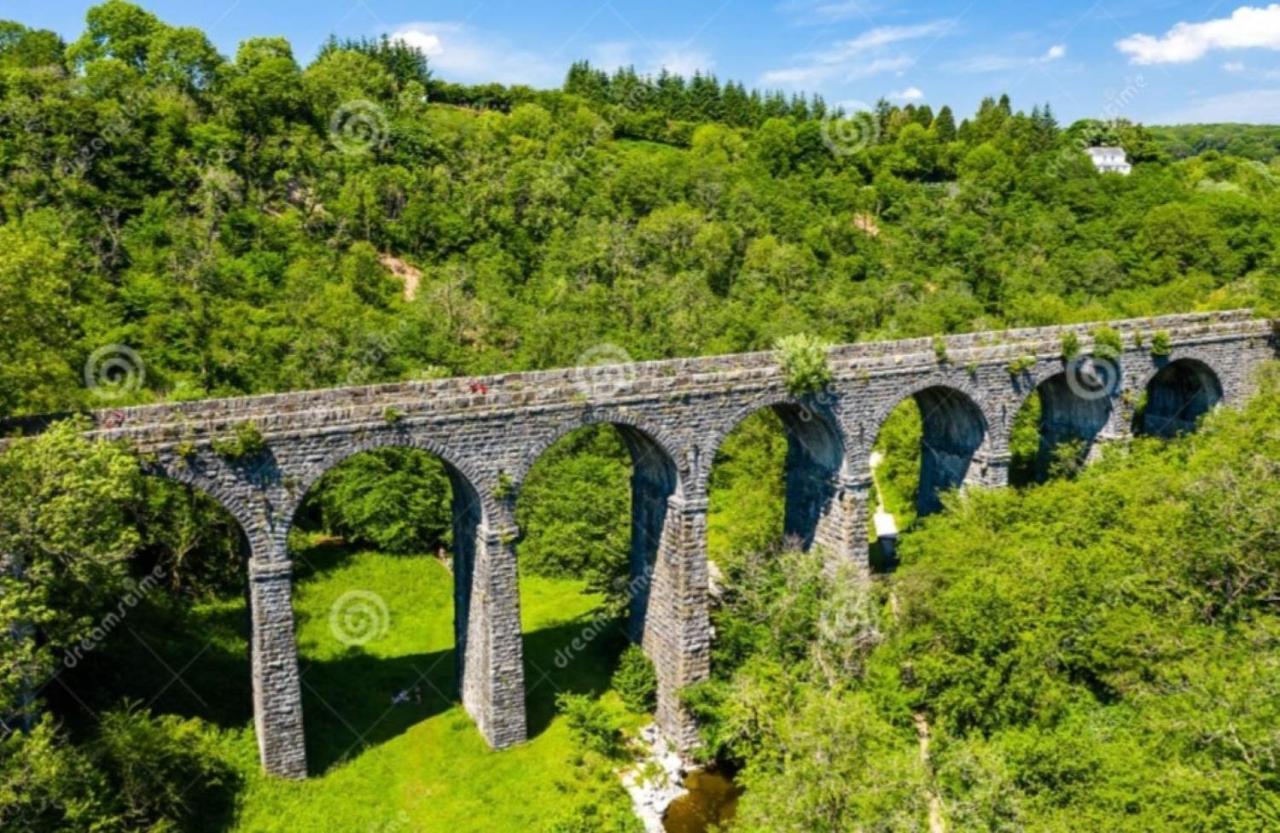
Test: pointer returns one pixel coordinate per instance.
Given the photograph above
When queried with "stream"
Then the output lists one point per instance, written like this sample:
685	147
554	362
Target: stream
712	799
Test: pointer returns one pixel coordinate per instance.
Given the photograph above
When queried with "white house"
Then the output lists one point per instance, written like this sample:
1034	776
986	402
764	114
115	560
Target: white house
1110	160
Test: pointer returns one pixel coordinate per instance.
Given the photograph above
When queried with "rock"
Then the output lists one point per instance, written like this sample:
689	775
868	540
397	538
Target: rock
655	780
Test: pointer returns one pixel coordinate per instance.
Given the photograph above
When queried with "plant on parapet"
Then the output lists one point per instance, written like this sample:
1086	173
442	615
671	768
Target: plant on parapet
1107	344
1070	346
940	349
803	360
1161	344
246	440
1021	365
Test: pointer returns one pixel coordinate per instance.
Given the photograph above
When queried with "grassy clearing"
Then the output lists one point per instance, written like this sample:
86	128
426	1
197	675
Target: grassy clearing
377	766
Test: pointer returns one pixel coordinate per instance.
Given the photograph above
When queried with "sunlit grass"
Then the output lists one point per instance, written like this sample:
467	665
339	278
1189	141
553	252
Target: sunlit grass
421	765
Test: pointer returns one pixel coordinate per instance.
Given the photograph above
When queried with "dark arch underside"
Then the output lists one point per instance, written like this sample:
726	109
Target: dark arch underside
953	428
654	480
1067	417
815	455
1177	397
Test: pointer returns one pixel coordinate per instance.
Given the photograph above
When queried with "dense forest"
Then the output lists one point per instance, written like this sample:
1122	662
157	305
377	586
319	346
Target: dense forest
1097	652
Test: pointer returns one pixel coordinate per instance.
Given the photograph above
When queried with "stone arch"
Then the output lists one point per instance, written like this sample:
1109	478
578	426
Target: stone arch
1068	413
816	461
462	473
1178	394
655	481
233	502
487	646
273	653
639	435
955	428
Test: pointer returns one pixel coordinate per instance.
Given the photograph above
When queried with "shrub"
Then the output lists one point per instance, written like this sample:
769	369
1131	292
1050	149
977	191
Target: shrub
246	441
1161	344
1021	365
163	770
49	786
139	772
636	680
506	486
940	349
1107	344
591	723
1070	346
803	360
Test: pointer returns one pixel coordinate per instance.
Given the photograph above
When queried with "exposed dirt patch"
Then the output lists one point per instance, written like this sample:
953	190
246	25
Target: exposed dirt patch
411	275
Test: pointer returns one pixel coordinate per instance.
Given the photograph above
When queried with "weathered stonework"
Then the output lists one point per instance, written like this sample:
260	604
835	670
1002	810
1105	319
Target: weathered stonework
673	415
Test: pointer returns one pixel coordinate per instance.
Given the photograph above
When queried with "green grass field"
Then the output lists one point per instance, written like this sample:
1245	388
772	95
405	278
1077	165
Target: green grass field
377	766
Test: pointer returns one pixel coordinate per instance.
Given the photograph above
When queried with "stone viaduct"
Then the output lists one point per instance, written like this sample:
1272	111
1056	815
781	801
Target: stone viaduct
673	416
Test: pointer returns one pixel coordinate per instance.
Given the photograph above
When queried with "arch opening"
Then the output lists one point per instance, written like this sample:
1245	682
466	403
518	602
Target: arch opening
186	609
383	546
1177	397
925	447
592	512
1055	431
773	481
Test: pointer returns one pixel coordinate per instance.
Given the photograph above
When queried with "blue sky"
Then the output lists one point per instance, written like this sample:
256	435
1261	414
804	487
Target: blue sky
1157	61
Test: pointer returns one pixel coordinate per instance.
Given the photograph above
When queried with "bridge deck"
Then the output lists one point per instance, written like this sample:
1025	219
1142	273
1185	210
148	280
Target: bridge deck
165	423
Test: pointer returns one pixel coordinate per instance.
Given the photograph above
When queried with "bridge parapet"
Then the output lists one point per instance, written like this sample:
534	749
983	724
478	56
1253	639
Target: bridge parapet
169	424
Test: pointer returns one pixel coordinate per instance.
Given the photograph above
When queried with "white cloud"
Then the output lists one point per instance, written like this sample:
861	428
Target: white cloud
1260	106
859	57
611	55
1006	63
885	36
459	52
1234	66
1249	27
683	61
851	71
909	94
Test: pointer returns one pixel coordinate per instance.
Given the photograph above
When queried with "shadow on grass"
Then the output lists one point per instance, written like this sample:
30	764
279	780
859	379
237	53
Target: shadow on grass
553	665
349	703
195	663
357	701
